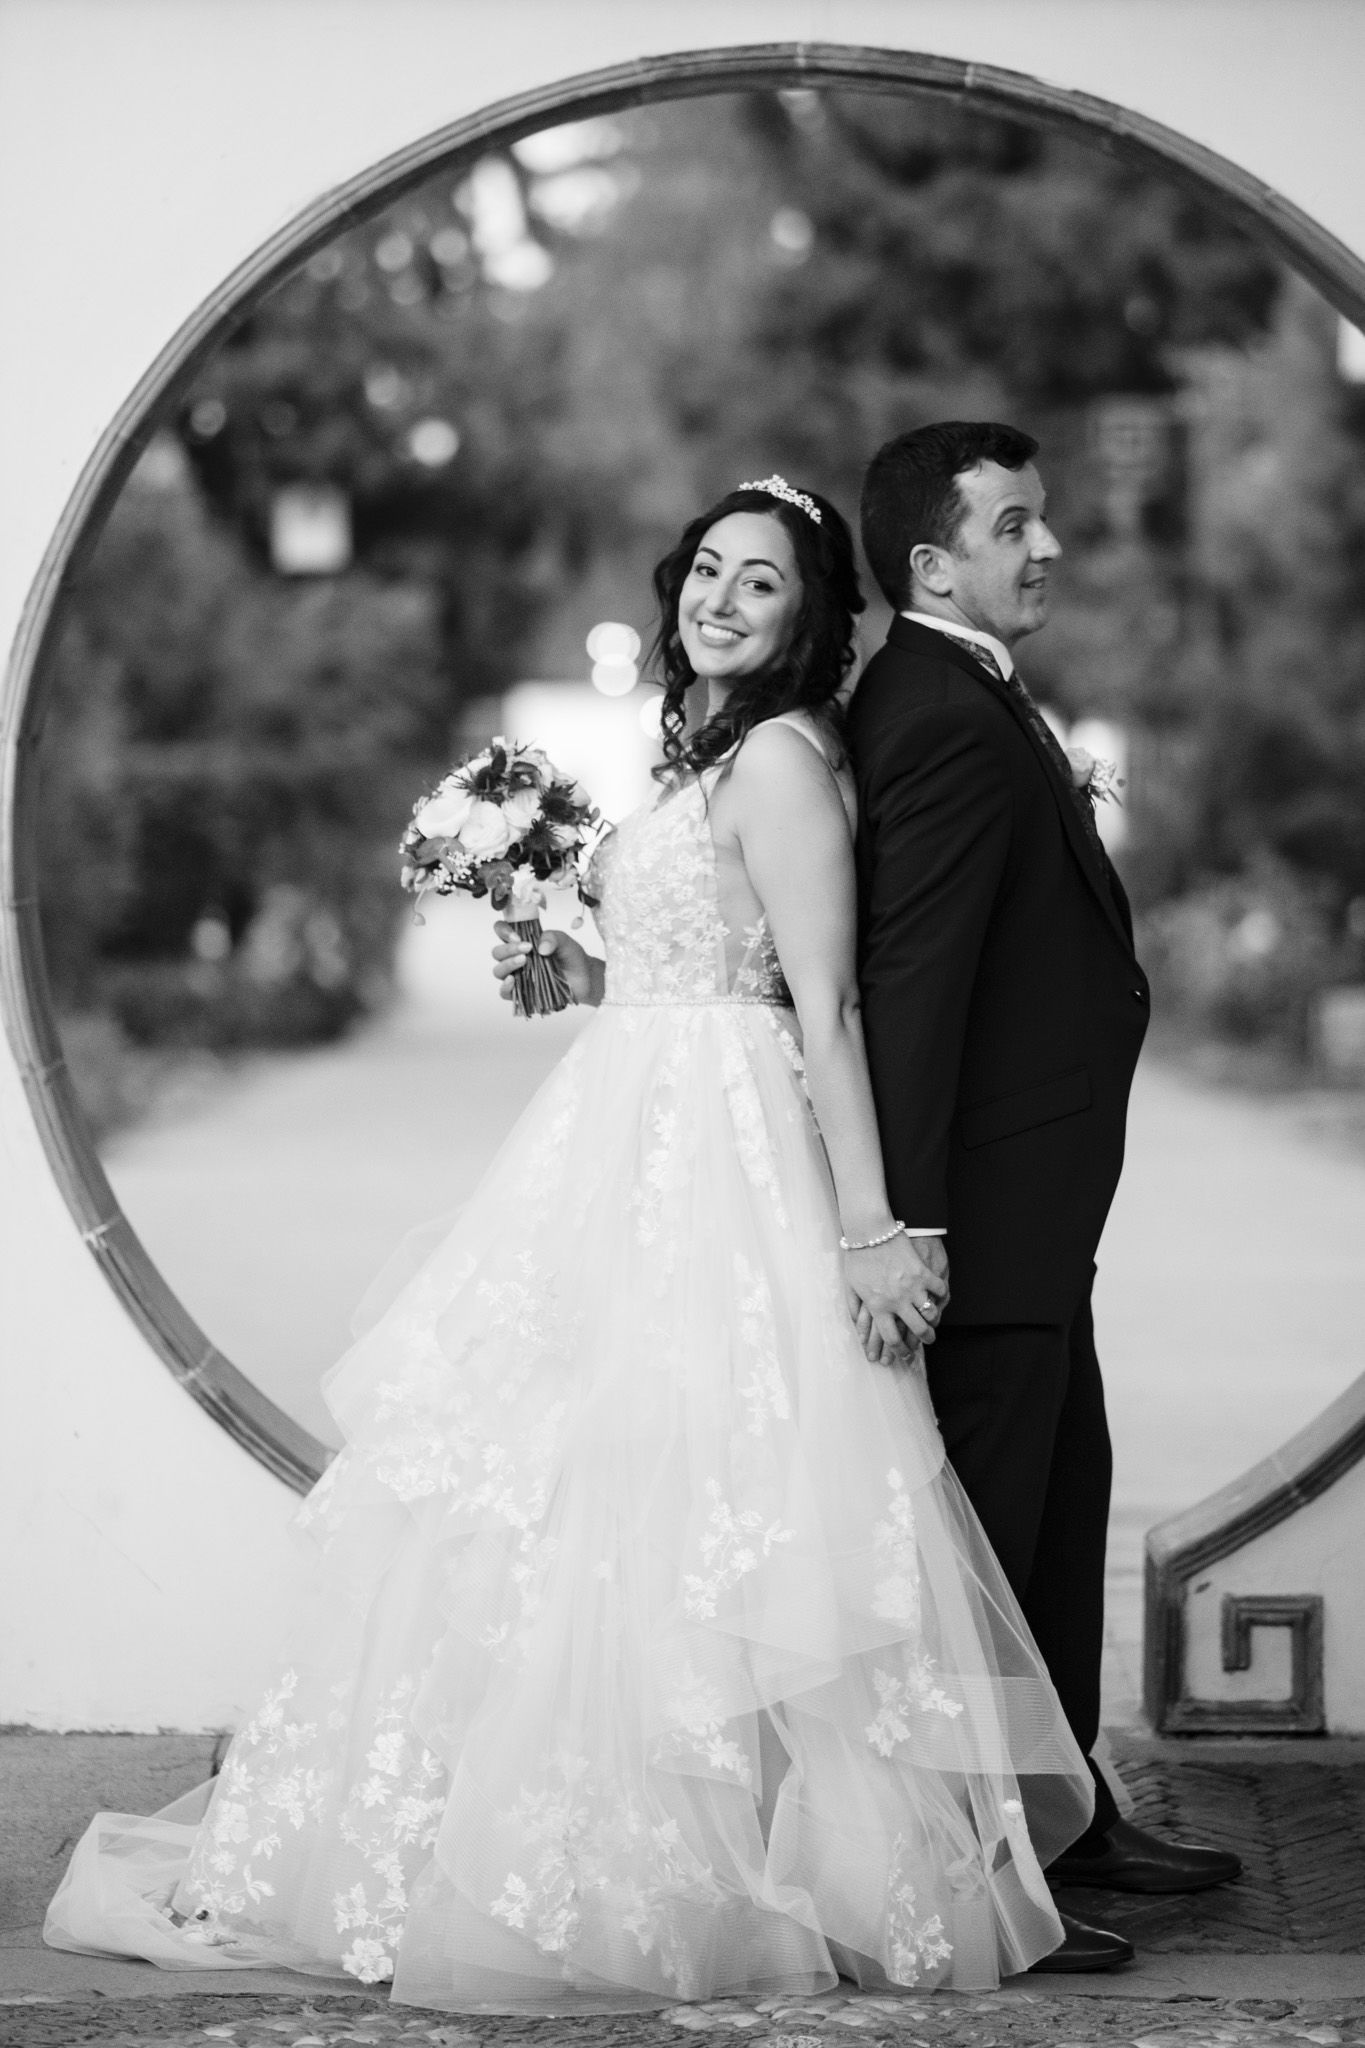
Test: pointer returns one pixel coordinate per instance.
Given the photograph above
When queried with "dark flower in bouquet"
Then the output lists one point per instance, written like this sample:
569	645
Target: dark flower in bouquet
506	824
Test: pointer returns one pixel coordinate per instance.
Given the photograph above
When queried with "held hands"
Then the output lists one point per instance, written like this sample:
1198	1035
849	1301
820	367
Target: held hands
896	1293
511	954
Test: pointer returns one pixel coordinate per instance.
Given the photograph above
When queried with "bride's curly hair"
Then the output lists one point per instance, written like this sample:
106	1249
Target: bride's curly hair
810	670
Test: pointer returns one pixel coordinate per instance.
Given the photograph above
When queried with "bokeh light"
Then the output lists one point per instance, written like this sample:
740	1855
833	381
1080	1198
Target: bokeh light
450	245
208	418
386	387
433	443
615	678
793	233
394	252
613	643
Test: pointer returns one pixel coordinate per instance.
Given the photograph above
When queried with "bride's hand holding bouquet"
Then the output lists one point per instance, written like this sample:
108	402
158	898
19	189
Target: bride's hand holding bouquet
580	972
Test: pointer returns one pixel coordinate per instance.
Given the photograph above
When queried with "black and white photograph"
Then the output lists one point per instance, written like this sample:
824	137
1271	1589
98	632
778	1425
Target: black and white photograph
682	961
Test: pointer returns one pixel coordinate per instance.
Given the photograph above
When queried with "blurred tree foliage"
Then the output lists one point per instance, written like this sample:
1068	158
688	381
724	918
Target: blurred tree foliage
419	365
1276	646
524	378
231	752
1252	852
223	751
962	266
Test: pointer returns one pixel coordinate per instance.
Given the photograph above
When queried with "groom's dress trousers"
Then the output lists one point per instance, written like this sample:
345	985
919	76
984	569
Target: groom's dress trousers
1004	1009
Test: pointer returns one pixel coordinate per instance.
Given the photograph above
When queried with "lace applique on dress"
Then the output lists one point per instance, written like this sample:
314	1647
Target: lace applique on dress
391	1819
658	914
280	1774
582	1836
896	1594
268	1779
916	1691
733	1544
759	977
919	1947
667	940
764	1393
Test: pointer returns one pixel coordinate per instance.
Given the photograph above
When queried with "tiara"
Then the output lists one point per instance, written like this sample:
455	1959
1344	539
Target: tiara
778	487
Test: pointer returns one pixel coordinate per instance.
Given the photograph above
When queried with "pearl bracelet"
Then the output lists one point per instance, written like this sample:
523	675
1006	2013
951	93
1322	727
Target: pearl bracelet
867	1243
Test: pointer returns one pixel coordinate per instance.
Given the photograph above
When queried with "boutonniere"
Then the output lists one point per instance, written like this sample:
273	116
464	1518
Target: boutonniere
1099	779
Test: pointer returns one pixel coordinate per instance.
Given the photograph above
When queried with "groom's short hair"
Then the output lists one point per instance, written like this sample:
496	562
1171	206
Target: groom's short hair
910	493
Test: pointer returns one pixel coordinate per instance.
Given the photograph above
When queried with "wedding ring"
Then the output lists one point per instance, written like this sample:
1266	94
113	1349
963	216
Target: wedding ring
929	1307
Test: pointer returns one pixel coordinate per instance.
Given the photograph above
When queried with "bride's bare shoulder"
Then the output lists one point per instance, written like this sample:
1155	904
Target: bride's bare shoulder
779	749
794	756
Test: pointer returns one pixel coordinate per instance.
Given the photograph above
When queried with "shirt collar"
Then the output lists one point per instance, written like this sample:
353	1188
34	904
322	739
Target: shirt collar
956	632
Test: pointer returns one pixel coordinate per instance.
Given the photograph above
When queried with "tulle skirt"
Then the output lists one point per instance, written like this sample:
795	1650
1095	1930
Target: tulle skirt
655	1652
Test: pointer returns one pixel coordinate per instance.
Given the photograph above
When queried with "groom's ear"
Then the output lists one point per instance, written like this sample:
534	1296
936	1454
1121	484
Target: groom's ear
931	570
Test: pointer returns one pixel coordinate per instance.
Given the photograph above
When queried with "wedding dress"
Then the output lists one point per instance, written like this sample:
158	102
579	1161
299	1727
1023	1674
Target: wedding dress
657	1654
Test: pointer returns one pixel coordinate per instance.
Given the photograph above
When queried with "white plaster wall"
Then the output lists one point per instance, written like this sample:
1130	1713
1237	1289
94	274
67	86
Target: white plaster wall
146	147
1316	1551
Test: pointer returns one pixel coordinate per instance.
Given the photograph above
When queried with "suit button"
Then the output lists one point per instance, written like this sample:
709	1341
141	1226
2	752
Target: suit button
1139	995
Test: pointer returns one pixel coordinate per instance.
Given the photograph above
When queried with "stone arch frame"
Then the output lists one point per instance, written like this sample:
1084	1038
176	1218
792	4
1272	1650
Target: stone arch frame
283	1446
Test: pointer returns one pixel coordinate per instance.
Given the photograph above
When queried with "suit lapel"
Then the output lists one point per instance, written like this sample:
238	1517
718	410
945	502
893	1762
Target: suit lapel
926	643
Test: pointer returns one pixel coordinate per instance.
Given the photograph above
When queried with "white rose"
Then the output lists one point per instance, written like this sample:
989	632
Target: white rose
521	810
443	814
526	899
564	836
485	834
1082	766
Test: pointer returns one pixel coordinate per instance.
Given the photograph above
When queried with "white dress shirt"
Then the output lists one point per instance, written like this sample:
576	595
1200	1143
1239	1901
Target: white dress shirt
996	647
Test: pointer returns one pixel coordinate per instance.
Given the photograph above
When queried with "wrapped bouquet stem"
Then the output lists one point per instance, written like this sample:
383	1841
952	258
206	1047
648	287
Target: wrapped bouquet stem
505	824
540	989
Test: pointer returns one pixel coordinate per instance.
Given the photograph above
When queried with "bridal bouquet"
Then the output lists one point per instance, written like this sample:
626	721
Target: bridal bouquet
504	824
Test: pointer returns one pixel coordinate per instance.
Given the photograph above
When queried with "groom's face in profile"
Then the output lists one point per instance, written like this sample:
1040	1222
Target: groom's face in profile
995	576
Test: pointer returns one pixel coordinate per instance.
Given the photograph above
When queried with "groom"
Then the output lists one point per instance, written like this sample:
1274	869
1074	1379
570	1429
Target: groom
1004	1009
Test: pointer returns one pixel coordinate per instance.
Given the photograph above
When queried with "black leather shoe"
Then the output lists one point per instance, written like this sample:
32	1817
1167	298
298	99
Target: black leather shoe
1085	1948
1134	1861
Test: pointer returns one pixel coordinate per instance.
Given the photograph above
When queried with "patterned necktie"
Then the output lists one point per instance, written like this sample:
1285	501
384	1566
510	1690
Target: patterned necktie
1047	739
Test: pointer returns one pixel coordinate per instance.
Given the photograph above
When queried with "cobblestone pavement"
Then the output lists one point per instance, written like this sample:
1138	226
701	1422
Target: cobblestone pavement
1008	2019
1299	1829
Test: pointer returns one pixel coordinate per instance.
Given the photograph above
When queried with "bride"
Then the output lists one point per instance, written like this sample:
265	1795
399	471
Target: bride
656	1652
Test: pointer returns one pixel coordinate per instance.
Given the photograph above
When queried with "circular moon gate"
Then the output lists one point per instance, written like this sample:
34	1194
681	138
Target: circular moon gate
256	1423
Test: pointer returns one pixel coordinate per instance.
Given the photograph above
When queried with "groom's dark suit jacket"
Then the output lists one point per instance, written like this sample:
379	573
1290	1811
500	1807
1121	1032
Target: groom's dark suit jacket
1002	1001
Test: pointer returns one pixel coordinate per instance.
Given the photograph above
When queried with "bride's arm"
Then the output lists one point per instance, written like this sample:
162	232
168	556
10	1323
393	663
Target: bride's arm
583	971
798	853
